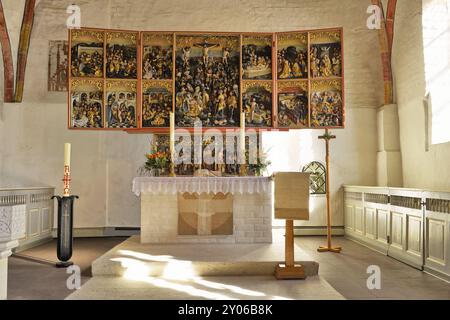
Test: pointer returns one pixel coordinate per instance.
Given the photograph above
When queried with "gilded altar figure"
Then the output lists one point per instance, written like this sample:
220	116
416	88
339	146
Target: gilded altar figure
121	104
86	103
292	55
293	104
207	80
87	53
257	102
326	56
156	103
157	55
121	55
326	104
257	57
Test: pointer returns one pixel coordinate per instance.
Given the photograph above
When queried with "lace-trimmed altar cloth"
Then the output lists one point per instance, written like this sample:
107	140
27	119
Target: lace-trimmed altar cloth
173	185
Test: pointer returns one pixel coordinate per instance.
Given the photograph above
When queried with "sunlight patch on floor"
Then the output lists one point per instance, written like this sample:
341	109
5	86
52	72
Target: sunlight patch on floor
180	276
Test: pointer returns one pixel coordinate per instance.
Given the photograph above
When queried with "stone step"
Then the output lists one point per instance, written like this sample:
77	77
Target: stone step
133	259
223	288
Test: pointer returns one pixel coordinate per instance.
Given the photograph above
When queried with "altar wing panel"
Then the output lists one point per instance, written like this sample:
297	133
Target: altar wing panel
287	80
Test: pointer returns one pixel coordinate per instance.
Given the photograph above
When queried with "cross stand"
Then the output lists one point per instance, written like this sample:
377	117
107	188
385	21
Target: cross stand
329	248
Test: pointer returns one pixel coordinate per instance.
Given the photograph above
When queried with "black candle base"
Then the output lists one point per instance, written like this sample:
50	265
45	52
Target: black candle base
64	241
64	264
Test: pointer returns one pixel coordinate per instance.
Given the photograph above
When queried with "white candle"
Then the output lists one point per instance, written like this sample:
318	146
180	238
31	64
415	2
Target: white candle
172	135
67	154
242	133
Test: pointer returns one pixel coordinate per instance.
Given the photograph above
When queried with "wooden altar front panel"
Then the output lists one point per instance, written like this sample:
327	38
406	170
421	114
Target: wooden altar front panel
205	214
322	94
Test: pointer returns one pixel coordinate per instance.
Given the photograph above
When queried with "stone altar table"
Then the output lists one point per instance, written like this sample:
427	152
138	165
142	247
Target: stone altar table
205	209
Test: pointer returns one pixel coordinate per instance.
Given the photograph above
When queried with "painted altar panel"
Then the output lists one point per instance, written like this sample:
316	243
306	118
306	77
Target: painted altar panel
292	55
157	52
326	103
257	103
86	50
292	103
211	77
156	103
257	57
121	55
207	80
86	103
326	54
121	101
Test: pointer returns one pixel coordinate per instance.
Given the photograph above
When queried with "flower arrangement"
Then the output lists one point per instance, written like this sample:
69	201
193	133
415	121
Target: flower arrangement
260	166
157	162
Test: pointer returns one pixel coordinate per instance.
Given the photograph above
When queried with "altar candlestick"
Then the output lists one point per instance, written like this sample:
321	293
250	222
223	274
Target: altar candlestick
243	165
172	133
242	133
66	179
172	144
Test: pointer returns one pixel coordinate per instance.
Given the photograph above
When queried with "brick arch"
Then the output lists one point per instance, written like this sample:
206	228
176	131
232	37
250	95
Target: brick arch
8	68
14	92
386	38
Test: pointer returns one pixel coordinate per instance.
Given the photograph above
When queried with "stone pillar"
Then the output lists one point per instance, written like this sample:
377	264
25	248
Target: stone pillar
5	252
389	159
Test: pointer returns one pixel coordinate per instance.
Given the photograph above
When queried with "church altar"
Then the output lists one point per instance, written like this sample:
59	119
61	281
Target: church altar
205	209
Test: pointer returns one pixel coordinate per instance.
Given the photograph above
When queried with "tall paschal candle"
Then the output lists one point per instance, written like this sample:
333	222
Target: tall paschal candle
67	148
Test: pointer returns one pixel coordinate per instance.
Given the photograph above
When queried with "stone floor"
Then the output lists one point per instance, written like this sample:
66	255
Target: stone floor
202	288
28	279
345	272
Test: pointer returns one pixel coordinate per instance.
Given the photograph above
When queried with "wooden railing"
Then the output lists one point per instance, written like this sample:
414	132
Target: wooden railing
410	225
39	212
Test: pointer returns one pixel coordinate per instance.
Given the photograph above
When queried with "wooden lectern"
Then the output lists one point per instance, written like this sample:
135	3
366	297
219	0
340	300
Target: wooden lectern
291	203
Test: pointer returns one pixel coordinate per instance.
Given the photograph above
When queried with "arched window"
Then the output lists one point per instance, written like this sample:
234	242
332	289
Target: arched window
436	42
317	183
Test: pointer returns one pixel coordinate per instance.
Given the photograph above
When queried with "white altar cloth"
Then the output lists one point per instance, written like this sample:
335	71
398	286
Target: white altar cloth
174	185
